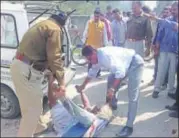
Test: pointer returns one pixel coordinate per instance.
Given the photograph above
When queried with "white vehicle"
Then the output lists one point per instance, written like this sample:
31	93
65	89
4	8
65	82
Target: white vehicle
14	23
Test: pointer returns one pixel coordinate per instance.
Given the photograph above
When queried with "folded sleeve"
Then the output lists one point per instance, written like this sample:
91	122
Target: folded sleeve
118	71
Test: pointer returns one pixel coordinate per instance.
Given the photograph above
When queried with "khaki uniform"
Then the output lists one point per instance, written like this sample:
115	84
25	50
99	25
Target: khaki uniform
139	30
41	44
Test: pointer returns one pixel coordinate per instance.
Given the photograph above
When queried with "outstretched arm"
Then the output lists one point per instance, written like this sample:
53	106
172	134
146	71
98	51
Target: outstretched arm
91	74
164	22
168	24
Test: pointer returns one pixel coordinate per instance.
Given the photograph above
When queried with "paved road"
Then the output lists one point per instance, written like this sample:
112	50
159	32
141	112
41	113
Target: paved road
152	119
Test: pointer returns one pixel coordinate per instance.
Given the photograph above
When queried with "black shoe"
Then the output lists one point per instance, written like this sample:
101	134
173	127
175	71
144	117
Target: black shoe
155	94
172	95
99	76
125	132
173	107
174	114
123	82
164	87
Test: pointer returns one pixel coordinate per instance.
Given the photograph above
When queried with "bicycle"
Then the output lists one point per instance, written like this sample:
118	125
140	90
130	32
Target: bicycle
76	54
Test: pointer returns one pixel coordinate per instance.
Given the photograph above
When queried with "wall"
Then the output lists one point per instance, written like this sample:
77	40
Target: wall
80	22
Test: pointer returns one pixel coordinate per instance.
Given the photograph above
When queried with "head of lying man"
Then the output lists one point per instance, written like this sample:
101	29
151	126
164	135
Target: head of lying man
90	53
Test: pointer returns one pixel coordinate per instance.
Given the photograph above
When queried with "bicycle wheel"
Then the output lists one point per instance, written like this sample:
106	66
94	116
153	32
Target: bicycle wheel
76	55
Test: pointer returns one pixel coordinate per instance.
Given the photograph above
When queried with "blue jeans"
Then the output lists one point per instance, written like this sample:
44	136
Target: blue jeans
134	75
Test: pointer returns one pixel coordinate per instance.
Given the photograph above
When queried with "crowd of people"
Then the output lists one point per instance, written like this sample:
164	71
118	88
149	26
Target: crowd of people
112	40
103	33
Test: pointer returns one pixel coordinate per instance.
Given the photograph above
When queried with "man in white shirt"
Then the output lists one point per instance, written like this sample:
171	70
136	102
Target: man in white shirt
121	62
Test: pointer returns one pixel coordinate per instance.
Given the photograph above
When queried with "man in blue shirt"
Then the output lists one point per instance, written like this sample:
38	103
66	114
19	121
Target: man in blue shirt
174	107
119	29
165	14
121	62
168	39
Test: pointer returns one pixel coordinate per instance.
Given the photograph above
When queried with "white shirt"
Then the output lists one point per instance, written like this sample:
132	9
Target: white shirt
125	19
105	37
115	59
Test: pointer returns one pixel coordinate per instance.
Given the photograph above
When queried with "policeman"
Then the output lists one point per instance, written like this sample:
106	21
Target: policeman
40	49
139	31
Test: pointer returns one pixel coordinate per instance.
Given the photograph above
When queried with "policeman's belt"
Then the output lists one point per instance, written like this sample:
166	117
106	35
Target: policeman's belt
134	40
26	60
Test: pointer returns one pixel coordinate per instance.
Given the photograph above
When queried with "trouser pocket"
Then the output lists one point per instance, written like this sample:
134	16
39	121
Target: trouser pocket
35	76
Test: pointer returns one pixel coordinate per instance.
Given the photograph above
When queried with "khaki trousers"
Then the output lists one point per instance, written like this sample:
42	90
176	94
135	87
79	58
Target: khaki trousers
29	93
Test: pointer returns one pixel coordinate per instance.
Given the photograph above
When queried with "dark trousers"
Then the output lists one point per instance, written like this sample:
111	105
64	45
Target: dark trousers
156	69
90	65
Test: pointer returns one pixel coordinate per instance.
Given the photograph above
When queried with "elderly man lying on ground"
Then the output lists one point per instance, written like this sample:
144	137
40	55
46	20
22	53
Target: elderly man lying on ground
71	120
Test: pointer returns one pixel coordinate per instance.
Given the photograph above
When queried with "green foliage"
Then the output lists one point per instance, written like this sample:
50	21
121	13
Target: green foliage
87	8
83	7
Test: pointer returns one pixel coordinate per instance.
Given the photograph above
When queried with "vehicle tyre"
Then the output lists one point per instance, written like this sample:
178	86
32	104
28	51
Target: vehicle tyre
9	103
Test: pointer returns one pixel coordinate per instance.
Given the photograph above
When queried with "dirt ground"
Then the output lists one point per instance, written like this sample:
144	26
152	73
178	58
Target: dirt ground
152	118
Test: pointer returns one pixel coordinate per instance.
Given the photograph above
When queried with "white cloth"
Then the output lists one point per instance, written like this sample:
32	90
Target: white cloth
115	59
85	36
125	19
